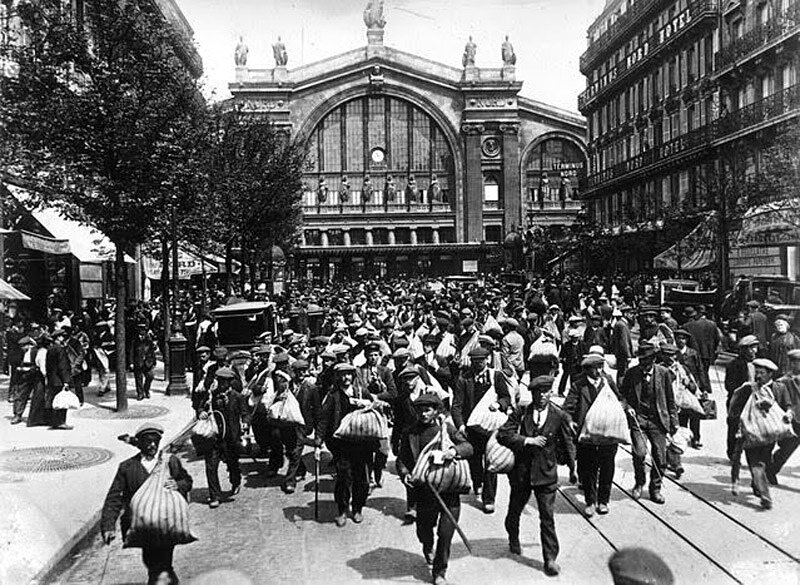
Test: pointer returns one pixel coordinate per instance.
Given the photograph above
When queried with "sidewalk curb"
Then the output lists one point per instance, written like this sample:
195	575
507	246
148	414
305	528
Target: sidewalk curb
75	542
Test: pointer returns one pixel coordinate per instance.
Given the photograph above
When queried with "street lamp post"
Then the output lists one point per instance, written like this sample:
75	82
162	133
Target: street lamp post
177	342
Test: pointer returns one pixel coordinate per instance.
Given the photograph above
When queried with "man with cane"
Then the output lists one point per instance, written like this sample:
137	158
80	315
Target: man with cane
650	404
430	503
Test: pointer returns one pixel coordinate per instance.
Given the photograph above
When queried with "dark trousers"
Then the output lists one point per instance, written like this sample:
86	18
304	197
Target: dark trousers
77	386
785	450
622	367
378	463
758	458
13	383
545	501
23	392
692	420
143	380
285	440
568	374
653	433
428	514
481	477
158	560
213	457
733	428
352	474
596	470
705	366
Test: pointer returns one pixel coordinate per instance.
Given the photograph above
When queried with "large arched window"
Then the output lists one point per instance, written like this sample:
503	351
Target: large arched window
555	170
377	149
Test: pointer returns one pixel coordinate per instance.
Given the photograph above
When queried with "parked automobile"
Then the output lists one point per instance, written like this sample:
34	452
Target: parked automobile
682	293
777	294
239	324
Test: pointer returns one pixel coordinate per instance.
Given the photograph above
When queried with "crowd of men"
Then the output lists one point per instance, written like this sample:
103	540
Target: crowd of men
424	353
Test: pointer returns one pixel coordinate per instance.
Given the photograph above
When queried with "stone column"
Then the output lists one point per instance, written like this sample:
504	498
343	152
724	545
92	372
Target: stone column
512	196
391	236
323	238
435	235
346	237
368	236
413	235
473	202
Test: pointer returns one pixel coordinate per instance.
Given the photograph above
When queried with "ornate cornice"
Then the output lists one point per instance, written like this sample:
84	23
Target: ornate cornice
473	129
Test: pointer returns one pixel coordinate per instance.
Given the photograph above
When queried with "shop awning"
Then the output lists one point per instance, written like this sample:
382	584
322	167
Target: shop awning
697	250
771	224
86	243
9	293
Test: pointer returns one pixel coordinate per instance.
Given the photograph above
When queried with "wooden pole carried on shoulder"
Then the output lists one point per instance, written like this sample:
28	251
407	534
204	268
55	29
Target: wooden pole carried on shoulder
449	514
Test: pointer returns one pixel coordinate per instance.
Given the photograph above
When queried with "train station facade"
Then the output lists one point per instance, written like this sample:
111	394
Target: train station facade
416	165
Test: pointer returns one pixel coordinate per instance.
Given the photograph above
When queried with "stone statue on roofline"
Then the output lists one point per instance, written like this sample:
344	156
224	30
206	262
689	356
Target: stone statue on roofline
240	54
279	52
468	60
509	56
373	14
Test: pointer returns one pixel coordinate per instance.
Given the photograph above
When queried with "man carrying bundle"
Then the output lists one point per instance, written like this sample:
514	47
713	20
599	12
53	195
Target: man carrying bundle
535	433
595	456
429	408
468	391
351	457
130	476
647	391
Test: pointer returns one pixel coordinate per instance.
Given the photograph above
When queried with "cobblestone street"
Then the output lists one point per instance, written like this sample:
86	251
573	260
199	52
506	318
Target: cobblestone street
703	532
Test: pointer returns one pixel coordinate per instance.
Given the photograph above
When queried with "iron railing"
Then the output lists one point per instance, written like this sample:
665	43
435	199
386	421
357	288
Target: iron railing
376	208
756	38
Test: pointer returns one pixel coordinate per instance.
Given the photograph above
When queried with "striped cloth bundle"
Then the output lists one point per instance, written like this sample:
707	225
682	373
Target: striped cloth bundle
159	516
444	476
499	458
365	424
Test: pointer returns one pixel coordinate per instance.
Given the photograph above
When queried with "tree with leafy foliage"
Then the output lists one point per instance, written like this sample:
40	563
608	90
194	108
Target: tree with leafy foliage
90	121
256	172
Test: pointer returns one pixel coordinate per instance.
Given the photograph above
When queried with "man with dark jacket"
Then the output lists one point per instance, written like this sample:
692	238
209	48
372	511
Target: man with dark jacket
131	474
572	353
621	343
144	361
647	391
429	420
595	461
469	388
229	410
706	336
787	395
739	371
690	359
535	433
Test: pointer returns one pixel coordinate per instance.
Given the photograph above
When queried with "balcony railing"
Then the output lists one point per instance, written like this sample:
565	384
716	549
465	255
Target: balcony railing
751	115
376	208
622	25
569	205
643	55
753	40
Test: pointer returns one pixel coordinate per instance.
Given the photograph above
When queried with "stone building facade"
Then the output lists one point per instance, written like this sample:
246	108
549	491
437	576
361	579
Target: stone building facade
416	165
679	94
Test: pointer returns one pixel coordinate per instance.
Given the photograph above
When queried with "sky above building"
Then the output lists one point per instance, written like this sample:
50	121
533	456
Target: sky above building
548	35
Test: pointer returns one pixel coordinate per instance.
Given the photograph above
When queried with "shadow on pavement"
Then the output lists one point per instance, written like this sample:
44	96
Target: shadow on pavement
325	486
496	548
391	563
705	460
388	506
721	493
327	512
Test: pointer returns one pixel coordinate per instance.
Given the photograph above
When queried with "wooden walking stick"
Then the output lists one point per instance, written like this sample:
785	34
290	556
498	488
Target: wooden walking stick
316	482
449	514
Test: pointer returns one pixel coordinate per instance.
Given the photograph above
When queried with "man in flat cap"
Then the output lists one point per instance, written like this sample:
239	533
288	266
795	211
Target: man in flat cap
144	361
740	370
757	453
647	392
639	566
595	461
621	341
429	421
468	390
682	381
377	380
513	345
706	337
535	434
229	410
351	458
130	476
26	376
572	353
787	394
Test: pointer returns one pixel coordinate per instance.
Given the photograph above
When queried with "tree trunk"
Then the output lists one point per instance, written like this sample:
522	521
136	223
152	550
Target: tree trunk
165	312
228	268
119	330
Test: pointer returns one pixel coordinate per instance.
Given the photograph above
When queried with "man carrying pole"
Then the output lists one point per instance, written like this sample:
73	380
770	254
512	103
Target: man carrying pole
432	506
